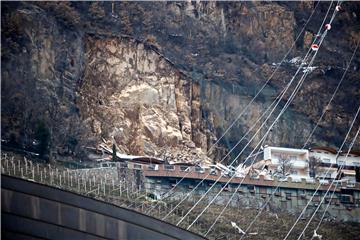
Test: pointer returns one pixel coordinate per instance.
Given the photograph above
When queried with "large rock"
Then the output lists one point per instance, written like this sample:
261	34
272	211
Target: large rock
130	87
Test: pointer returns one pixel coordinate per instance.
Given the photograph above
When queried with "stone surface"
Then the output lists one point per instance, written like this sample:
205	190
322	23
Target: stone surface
136	93
170	74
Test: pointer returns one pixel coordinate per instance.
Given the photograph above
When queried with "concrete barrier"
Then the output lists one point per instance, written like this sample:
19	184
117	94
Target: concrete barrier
34	211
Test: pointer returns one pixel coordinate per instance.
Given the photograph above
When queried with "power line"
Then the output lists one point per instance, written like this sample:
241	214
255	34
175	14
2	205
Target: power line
283	110
332	97
304	209
339	171
246	107
268	200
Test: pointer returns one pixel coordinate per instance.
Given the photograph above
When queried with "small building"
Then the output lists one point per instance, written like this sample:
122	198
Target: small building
329	156
294	162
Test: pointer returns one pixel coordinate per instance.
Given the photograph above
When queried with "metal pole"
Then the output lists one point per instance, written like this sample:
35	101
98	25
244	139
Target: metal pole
41	177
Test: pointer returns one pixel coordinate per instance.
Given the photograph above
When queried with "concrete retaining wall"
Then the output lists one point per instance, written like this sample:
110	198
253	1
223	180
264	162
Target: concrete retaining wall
33	211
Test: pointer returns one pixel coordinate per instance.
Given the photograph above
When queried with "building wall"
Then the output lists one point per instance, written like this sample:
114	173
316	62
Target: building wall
290	200
328	157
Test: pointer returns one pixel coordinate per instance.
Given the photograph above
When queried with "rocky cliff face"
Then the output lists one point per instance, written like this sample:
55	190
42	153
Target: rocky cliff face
168	78
134	95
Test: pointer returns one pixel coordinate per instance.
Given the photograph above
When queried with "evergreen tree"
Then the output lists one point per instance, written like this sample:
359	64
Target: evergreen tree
42	134
113	152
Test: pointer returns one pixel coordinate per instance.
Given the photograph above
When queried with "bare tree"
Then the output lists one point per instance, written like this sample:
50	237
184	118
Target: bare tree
285	166
314	164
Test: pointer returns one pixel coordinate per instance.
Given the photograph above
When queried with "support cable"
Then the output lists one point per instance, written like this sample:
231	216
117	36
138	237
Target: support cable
331	99
332	182
246	107
268	200
283	110
317	189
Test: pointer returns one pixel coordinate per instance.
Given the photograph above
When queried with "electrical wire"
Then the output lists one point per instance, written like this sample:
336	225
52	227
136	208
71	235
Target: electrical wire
339	171
337	88
247	106
317	189
298	87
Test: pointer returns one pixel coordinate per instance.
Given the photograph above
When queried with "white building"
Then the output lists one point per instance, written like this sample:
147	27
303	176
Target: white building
329	156
297	160
296	163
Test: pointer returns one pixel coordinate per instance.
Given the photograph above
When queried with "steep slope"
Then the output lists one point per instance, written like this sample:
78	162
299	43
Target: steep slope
158	74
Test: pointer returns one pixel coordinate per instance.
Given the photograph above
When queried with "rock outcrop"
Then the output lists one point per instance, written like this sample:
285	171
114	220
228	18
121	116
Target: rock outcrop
133	95
167	78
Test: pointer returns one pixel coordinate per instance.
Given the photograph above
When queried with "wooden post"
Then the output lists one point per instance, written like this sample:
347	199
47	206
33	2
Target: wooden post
78	183
120	192
25	165
7	165
50	176
84	184
68	176
105	186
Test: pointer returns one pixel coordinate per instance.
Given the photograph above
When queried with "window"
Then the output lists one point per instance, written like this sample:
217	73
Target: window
169	167
184	168
288	195
326	160
293	158
199	169
123	165
152	167
137	166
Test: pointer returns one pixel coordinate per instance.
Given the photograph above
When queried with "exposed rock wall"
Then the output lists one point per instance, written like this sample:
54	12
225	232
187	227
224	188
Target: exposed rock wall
132	94
41	66
69	66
